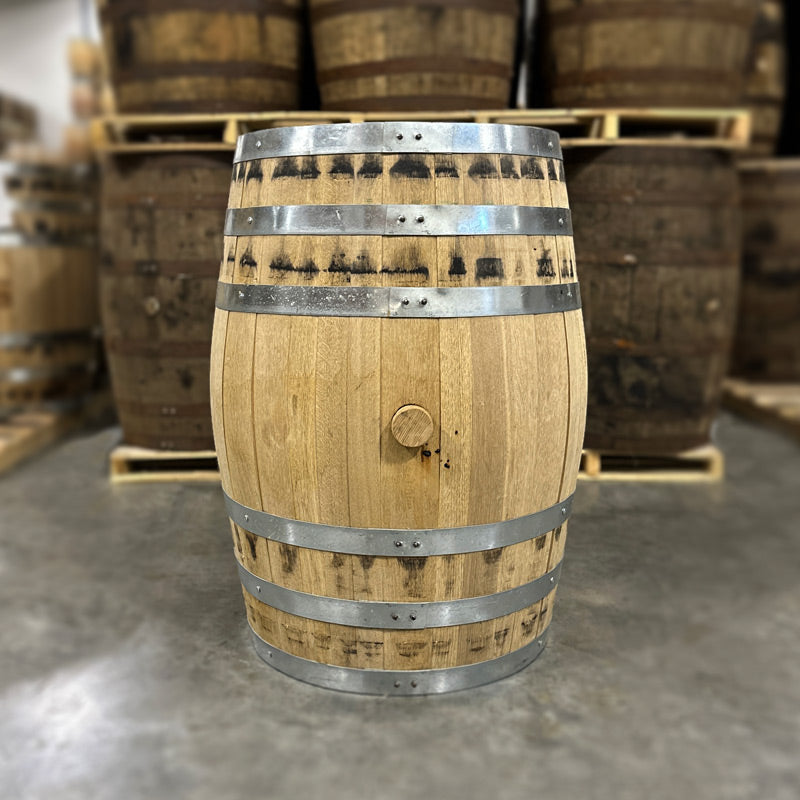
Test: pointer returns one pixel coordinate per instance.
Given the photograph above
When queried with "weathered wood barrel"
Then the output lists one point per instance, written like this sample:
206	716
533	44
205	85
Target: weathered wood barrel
647	53
768	329
398	390
53	200
180	56
48	320
657	232
765	85
161	250
388	55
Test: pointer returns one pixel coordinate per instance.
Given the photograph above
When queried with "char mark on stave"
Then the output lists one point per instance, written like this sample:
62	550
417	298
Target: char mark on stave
247	261
489	268
457	266
371	168
342	167
410	167
507	168
255	173
481	167
290	168
545	268
552	170
445	167
360	265
532	169
283	263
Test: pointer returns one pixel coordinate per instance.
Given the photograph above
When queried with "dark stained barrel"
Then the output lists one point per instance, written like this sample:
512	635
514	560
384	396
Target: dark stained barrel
200	56
161	248
657	236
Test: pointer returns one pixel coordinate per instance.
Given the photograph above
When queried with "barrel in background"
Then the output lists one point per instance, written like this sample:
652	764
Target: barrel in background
161	247
48	320
657	232
765	85
176	56
398	472
646	53
768	328
386	55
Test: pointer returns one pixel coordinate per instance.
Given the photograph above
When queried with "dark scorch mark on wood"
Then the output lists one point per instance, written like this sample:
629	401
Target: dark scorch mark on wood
507	169
288	557
255	173
239	172
441	646
410	649
446	168
282	263
337	560
360	265
251	543
529	624
366	562
492	556
417	269
567	268
288	168
349	646
545	268
541	542
561	175
482	168
489	268
231	259
247	261
371	168
186	378
557	533
342	167
500	636
476	645
457	266
532	169
410	167
552	171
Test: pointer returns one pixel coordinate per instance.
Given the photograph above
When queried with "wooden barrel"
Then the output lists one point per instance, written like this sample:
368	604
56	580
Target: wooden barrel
765	85
179	56
647	53
53	200
48	320
398	388
657	234
161	249
388	55
768	329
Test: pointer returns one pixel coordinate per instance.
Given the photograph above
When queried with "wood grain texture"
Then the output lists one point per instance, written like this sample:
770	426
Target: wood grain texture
48	290
656	230
303	406
768	328
184	57
646	53
413	56
161	248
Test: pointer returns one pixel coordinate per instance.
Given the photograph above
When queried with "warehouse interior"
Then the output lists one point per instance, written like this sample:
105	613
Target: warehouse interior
578	312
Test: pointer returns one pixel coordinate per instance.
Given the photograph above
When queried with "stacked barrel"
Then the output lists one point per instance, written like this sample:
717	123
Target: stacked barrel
163	213
48	282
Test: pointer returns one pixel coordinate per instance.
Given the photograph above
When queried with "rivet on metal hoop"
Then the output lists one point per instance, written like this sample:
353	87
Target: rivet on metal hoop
247	518
258	144
413	684
405	301
395	616
420	218
400	137
412	617
418	136
401	218
423	301
249	220
417	544
398	543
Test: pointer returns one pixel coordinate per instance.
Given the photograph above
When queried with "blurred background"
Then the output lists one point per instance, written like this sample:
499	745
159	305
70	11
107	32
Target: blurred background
674	659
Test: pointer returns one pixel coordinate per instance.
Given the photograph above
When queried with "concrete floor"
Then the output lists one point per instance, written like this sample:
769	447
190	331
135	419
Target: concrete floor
673	669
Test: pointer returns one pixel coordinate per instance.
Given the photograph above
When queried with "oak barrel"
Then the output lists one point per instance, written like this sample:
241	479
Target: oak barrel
388	55
647	53
180	56
657	231
768	329
765	85
48	320
161	248
398	391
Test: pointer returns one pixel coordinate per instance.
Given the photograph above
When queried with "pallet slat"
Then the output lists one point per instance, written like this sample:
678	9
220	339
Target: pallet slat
130	464
700	465
773	404
25	434
719	128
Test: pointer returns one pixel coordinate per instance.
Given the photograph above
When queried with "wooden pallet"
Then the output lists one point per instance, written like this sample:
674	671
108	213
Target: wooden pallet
716	128
25	433
701	465
774	404
130	464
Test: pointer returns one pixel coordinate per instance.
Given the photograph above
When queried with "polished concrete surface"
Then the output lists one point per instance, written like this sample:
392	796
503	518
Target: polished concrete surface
673	669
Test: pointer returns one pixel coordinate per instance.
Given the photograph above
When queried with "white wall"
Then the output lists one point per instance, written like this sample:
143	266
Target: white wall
34	35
